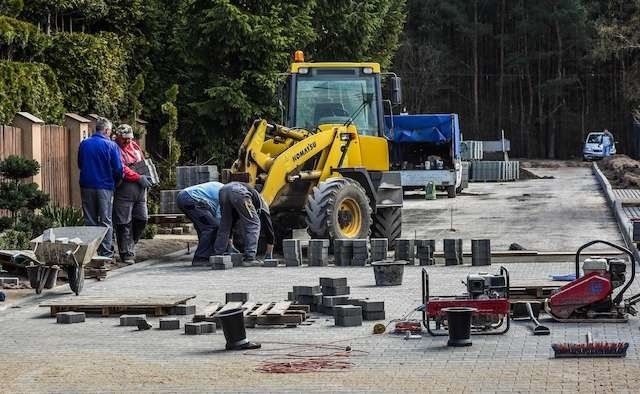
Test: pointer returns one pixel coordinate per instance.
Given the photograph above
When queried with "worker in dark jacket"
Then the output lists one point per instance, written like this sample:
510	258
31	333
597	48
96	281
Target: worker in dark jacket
100	169
130	202
242	201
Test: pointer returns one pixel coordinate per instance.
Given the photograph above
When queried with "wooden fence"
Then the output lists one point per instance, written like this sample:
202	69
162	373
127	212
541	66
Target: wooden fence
10	141
55	163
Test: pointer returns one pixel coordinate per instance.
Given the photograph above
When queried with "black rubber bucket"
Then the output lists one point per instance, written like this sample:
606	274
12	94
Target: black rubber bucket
388	273
459	321
32	273
232	321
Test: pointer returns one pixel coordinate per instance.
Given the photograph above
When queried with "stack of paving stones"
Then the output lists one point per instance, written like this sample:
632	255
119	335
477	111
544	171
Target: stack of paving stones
70	317
371	310
168	204
342	252
221	262
425	248
405	250
379	249
194	175
199	328
318	252
236	259
452	251
236	297
480	252
292	252
183	309
360	252
347	315
306	295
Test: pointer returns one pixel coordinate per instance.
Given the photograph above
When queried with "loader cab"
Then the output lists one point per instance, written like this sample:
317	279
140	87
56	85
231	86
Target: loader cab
327	93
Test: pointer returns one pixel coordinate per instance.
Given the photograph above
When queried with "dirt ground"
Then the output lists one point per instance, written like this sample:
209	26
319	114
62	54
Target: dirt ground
622	171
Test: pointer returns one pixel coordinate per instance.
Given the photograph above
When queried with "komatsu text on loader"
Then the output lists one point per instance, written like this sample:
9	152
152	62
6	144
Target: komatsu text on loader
327	168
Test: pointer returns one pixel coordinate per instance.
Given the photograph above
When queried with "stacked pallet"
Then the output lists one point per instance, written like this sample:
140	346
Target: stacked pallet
186	176
495	171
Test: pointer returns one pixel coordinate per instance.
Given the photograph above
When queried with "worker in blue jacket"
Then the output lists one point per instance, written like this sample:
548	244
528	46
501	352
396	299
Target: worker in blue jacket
100	170
201	204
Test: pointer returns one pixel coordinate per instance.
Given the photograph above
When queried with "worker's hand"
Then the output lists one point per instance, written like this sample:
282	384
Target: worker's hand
145	181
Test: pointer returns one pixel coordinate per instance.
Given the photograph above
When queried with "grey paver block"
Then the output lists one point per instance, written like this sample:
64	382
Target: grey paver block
183	309
131	320
271	263
335	291
236	297
169	324
306	290
378	315
70	317
348	321
335	300
347	310
333	282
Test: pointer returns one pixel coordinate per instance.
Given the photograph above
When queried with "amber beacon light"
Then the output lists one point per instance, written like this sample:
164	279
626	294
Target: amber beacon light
298	56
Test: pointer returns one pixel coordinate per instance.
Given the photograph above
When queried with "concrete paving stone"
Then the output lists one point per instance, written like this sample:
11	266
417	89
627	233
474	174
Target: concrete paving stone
221	259
348	321
236	297
306	290
131	320
183	309
336	291
369	305
333	282
236	259
169	324
347	310
199	328
70	317
271	263
372	316
334	300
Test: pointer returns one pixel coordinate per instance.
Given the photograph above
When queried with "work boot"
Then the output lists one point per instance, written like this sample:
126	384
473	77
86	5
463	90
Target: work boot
252	263
128	259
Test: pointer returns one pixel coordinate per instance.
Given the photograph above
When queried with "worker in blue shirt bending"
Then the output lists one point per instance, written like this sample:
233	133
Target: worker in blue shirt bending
201	204
100	170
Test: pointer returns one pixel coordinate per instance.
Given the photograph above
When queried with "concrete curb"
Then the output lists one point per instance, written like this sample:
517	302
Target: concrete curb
624	224
62	291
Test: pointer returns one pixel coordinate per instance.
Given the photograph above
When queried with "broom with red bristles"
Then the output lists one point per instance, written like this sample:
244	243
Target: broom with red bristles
590	349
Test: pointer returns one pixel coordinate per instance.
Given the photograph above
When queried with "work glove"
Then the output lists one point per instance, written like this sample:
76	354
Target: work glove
145	181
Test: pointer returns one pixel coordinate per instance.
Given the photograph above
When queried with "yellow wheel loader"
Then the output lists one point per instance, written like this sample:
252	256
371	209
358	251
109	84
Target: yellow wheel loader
327	168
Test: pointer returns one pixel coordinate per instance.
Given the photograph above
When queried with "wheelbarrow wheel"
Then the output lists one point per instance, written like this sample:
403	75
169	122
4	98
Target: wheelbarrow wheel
76	278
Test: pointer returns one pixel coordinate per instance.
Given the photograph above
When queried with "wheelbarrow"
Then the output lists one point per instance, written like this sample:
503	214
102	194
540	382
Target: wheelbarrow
69	248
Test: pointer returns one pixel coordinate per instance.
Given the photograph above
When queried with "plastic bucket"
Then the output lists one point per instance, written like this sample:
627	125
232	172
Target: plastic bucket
52	276
459	321
232	321
32	273
388	273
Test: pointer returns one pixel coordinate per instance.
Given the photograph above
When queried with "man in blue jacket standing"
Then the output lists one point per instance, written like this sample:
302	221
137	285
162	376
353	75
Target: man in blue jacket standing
100	169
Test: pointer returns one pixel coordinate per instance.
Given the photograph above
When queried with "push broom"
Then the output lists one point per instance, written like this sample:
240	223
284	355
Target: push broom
590	349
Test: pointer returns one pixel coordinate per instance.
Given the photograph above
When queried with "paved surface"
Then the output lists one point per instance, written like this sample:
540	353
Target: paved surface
558	214
38	355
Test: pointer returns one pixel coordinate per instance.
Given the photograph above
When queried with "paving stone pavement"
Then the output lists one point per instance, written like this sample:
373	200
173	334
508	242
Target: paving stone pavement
38	355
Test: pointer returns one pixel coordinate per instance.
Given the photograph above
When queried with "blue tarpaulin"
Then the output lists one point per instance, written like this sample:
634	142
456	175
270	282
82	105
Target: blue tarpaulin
433	128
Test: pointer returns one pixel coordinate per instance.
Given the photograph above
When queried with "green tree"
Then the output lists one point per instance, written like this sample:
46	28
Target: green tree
15	192
168	136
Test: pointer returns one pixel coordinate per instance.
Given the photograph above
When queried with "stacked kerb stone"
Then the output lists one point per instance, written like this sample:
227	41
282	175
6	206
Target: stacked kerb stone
347	315
405	250
371	310
306	295
480	252
360	250
194	175
221	262
342	251
452	251
292	252
379	248
318	252
425	248
168	202
334	292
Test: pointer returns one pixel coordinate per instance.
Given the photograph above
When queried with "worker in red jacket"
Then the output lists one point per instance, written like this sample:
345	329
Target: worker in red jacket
130	200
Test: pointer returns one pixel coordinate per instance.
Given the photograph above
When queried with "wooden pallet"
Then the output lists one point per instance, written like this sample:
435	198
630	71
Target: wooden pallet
105	306
533	290
262	314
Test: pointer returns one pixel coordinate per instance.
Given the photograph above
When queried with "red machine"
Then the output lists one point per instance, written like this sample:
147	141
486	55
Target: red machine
590	298
487	293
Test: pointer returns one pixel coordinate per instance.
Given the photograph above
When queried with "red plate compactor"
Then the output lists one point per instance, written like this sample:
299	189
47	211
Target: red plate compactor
590	298
487	293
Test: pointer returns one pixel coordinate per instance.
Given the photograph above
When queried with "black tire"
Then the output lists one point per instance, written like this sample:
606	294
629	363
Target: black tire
323	216
76	278
451	191
388	224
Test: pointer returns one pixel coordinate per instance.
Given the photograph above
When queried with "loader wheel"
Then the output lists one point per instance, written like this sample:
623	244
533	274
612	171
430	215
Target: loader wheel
338	208
76	278
387	223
